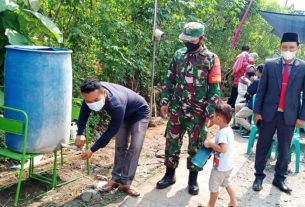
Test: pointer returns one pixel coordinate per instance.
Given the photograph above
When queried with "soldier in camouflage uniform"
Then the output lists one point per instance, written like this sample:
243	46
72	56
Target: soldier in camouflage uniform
190	93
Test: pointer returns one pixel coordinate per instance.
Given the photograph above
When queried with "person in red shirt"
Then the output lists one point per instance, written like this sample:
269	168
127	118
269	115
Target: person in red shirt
239	69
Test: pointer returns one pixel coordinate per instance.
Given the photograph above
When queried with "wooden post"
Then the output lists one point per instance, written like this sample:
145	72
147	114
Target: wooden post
151	105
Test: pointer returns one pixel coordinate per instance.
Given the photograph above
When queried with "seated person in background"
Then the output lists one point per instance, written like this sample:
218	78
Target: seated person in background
242	117
243	84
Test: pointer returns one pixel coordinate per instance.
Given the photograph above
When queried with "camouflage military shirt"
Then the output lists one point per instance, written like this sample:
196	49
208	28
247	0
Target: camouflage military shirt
190	86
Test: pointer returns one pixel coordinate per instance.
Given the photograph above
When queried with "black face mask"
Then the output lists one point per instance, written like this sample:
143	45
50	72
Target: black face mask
192	47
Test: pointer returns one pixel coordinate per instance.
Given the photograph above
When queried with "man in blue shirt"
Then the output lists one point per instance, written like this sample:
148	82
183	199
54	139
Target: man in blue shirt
242	117
129	114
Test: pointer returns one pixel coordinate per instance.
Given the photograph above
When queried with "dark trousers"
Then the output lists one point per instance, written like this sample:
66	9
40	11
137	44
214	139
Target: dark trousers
284	135
233	97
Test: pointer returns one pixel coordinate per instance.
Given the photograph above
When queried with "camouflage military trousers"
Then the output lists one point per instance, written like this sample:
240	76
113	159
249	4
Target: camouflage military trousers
177	125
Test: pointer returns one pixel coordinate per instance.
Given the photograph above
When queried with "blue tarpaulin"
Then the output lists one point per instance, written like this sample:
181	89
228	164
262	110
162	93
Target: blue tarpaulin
282	23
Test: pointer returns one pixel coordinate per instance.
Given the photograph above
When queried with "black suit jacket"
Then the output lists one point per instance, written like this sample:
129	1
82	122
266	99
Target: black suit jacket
268	93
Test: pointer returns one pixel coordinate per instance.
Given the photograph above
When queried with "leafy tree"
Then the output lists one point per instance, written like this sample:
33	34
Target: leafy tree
111	39
21	24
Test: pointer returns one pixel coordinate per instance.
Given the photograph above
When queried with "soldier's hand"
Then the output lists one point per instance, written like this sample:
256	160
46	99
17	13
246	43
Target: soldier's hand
164	111
80	141
257	117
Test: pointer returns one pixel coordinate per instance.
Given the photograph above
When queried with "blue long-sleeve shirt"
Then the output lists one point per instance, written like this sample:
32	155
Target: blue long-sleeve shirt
122	104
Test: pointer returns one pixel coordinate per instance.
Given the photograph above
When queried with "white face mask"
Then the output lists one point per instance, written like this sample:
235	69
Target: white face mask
97	106
287	55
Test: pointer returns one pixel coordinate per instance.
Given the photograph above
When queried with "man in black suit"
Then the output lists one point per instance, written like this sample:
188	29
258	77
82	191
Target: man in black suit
279	108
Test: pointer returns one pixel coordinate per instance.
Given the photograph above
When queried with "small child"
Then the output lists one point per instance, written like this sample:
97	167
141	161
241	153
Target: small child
223	155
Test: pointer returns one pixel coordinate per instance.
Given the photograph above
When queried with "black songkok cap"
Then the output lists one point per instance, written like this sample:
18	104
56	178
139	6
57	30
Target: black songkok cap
290	37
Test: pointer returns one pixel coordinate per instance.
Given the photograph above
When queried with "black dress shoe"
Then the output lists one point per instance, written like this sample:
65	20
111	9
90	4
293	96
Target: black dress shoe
193	189
281	185
165	182
257	184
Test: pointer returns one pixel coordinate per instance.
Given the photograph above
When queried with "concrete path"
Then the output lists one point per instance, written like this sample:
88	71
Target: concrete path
177	195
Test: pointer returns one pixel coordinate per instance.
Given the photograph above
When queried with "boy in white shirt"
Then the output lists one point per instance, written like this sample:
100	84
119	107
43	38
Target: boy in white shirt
223	155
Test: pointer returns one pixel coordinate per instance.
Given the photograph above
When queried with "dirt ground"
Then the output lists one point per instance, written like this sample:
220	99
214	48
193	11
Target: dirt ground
151	163
101	165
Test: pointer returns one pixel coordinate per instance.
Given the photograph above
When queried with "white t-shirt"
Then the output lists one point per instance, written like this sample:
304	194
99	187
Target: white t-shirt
224	161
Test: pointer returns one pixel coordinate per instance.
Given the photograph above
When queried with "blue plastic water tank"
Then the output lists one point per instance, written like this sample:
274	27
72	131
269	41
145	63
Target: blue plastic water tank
38	80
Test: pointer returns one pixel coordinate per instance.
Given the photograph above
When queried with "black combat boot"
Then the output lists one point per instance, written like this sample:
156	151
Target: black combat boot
168	179
193	185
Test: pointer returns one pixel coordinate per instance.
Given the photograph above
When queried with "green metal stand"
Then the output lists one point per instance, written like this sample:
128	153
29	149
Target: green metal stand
37	176
20	127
